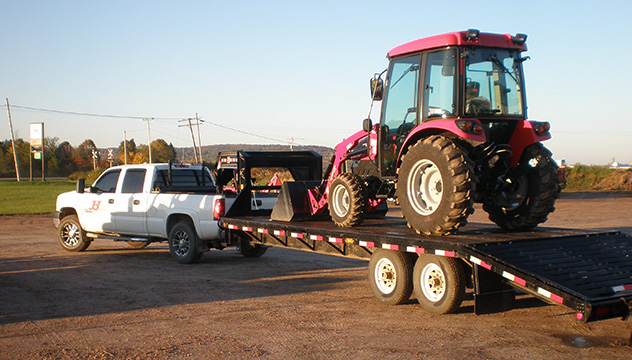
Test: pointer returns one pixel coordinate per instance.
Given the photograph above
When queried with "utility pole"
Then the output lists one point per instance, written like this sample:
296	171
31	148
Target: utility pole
198	120
188	123
15	155
292	142
148	137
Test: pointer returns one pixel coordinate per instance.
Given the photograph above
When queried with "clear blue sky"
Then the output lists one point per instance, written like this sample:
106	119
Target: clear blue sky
294	69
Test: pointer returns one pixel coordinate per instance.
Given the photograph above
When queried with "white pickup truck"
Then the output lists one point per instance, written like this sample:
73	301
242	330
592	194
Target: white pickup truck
141	204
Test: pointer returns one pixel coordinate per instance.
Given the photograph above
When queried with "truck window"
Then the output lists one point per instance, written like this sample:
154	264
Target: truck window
133	181
107	182
183	177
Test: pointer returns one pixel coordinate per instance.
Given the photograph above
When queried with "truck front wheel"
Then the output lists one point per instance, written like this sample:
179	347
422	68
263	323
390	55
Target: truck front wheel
183	243
70	234
439	283
435	186
390	276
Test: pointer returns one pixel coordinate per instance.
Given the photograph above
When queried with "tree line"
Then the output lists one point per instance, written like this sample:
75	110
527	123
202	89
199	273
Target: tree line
64	160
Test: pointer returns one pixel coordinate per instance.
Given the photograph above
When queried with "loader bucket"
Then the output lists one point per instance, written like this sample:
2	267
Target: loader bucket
292	203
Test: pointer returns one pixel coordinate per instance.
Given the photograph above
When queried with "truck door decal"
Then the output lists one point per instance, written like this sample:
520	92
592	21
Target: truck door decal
95	205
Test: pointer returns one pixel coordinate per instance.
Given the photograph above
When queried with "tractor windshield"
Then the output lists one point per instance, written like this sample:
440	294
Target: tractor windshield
493	83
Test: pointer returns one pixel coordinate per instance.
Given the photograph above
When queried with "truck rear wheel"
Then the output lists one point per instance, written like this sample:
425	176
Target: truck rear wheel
390	276
439	283
183	243
532	194
70	234
347	200
435	186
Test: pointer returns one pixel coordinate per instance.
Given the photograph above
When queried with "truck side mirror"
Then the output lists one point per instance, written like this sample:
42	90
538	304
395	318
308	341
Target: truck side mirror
367	125
377	88
81	185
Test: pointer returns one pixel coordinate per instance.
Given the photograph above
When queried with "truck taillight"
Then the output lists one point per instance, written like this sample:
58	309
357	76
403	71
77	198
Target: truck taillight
219	209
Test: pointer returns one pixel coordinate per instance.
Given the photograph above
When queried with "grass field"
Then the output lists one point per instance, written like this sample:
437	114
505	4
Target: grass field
26	197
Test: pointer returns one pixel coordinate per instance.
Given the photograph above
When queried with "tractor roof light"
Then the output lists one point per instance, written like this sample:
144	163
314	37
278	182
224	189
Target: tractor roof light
520	39
471	34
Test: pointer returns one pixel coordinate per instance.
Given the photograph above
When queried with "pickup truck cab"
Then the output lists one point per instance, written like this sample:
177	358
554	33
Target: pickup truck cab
141	204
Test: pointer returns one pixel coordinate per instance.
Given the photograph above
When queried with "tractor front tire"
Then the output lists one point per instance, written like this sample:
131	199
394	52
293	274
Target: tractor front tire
534	196
435	186
347	200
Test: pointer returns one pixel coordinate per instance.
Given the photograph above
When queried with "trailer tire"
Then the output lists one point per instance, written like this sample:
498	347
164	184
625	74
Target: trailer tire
435	186
538	188
183	243
390	276
347	200
250	250
439	283
71	235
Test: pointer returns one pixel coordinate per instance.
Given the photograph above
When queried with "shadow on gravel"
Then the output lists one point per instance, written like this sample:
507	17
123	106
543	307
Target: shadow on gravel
110	280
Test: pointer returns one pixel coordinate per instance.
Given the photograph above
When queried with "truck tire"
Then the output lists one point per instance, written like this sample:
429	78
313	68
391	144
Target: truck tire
439	283
347	200
70	234
390	276
183	243
532	198
435	186
138	244
250	250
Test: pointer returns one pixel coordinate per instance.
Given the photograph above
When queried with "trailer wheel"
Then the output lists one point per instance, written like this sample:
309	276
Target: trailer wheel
347	200
531	198
138	244
70	234
390	276
250	250
435	186
183	243
439	283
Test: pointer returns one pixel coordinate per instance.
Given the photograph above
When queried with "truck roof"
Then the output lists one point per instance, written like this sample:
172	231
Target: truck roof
160	166
458	38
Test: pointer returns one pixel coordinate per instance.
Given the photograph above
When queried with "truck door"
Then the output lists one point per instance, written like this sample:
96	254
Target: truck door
97	205
130	213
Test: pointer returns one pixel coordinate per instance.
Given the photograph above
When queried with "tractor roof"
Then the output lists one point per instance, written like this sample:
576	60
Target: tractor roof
469	37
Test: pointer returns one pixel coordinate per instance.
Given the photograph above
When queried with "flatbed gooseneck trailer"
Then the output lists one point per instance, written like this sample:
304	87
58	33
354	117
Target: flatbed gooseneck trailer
589	272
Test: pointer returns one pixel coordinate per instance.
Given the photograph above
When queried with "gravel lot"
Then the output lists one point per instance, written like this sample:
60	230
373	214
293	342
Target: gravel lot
115	302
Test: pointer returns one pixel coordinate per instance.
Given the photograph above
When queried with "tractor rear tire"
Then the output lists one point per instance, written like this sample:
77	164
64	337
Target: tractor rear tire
347	200
435	186
538	189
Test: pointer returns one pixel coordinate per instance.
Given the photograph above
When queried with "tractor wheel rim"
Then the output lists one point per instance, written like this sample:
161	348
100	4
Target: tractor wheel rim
341	200
425	187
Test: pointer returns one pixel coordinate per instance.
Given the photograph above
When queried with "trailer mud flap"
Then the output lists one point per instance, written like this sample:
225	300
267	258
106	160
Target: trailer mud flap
491	293
292	204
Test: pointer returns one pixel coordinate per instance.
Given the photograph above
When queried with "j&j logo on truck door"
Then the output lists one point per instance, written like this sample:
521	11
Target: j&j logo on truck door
95	205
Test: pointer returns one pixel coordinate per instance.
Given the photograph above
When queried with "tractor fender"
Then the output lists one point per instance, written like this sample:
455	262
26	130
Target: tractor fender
523	136
436	127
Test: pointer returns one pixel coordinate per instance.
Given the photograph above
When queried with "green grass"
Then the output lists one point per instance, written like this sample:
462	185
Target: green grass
26	197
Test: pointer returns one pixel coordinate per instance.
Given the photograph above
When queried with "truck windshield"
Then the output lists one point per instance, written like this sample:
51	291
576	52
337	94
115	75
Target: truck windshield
493	83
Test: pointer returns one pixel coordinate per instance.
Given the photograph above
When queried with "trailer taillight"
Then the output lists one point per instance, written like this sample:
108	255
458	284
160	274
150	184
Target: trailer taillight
219	209
541	127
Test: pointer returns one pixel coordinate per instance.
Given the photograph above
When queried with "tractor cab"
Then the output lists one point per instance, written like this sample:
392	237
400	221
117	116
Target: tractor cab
434	84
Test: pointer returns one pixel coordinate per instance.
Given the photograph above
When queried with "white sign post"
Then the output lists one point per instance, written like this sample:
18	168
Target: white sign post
36	131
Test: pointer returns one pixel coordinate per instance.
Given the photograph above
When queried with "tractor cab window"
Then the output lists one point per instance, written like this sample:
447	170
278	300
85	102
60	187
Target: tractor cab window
439	85
399	110
493	83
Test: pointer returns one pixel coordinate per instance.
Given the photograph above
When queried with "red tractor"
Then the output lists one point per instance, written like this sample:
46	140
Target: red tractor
453	131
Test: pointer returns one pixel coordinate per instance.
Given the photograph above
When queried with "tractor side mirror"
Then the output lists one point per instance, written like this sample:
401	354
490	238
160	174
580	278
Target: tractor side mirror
377	88
81	185
367	125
